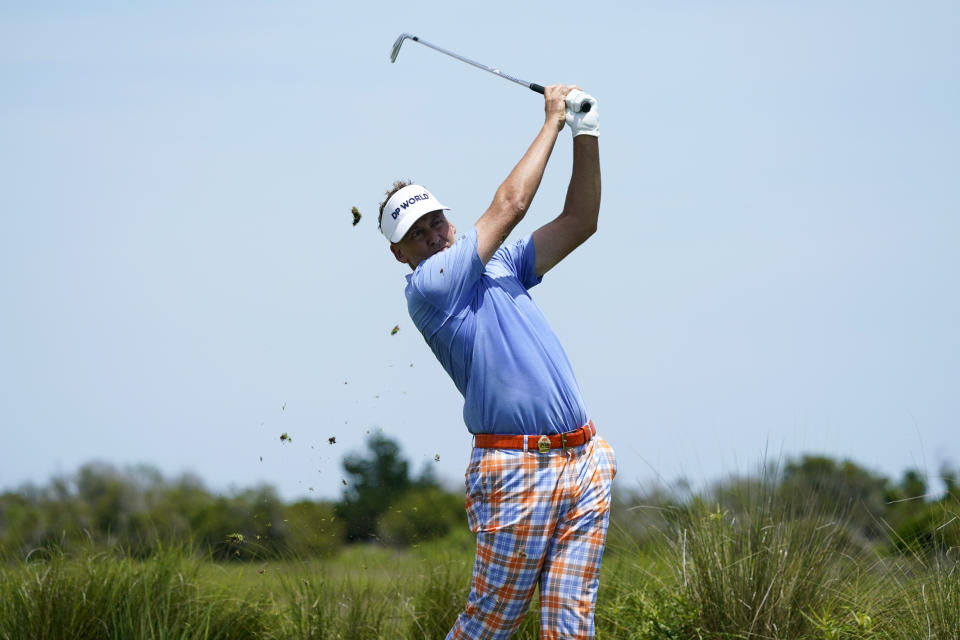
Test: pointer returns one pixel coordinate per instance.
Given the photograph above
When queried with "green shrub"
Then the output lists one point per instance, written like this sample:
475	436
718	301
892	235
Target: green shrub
933	528
421	515
310	529
634	604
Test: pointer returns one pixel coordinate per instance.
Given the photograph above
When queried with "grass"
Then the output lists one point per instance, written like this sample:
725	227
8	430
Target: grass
758	572
922	597
753	569
99	595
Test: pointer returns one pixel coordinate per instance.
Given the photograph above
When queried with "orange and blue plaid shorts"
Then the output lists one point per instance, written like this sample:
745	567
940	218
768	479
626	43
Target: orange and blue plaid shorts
540	519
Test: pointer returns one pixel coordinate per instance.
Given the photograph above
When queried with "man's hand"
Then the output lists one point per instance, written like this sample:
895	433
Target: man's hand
582	123
555	104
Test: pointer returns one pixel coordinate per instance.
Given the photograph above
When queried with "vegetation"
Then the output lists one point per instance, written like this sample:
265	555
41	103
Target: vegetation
817	550
96	596
139	511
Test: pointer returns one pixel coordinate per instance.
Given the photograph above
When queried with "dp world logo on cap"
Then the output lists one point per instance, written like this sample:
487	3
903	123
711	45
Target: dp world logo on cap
420	197
405	207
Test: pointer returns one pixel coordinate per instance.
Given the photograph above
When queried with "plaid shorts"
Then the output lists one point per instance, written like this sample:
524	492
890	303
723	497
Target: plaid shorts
539	519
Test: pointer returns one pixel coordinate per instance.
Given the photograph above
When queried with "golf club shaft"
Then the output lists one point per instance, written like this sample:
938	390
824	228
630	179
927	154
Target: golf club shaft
539	88
530	85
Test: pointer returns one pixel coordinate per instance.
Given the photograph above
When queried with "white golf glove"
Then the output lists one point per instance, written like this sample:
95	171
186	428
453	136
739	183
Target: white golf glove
582	123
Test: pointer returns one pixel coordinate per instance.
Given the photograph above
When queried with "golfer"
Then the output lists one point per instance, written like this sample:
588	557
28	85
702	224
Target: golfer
539	479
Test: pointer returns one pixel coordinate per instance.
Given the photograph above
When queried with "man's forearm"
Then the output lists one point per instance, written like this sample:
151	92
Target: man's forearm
522	183
583	193
515	194
581	208
513	197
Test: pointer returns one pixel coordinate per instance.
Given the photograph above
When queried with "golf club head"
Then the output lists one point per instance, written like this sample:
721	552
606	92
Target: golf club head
399	43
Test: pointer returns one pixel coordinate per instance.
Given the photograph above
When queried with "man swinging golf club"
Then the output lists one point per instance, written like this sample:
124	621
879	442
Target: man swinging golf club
539	479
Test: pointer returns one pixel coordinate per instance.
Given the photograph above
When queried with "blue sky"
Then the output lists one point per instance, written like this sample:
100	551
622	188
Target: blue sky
180	282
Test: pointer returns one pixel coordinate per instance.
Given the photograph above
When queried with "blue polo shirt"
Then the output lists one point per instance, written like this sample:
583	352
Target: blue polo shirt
493	341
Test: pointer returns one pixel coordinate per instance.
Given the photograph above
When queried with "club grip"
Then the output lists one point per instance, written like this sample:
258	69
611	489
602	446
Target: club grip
585	107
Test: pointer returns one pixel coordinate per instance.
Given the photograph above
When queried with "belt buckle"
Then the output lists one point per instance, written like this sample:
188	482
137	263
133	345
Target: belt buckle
543	444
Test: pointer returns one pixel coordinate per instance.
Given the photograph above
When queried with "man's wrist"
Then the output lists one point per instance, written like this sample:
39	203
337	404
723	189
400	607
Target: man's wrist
585	141
550	129
552	122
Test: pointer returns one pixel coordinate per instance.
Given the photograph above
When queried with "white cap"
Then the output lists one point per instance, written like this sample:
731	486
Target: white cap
404	208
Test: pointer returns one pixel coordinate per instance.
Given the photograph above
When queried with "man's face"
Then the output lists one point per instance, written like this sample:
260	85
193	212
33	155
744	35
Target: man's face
431	234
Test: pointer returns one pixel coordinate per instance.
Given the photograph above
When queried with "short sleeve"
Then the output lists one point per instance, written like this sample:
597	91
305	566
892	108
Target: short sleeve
447	279
520	259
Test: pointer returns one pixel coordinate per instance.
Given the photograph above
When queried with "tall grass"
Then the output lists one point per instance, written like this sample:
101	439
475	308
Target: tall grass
100	596
922	597
744	565
751	565
317	610
438	602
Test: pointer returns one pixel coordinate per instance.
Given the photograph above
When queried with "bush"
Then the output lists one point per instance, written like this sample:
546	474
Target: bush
934	528
311	529
421	515
635	604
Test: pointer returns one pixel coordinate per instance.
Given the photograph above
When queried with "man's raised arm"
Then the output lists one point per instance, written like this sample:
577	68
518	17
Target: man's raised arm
581	209
514	196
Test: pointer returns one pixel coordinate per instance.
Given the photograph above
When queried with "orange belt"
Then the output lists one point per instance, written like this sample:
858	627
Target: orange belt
536	443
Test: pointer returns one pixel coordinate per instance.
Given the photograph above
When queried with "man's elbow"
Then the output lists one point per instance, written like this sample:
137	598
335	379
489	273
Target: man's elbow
587	229
512	209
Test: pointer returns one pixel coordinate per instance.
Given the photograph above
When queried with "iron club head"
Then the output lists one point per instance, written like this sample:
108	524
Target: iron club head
399	43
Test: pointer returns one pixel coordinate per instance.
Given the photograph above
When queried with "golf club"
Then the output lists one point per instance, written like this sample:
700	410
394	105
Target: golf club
530	85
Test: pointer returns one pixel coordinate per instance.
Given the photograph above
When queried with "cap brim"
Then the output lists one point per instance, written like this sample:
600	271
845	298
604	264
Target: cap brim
407	222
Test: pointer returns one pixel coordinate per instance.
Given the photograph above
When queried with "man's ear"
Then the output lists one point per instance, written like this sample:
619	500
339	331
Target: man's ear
398	253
